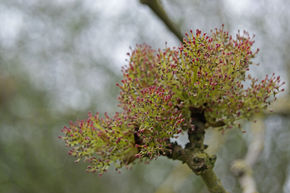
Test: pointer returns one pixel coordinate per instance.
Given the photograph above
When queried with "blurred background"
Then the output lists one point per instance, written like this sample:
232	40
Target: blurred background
60	59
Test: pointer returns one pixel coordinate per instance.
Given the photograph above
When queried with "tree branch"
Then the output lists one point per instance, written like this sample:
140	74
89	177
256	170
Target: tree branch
156	7
181	172
212	182
196	158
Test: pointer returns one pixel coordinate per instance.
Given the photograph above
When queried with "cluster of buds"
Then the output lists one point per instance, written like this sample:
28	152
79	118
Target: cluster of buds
160	89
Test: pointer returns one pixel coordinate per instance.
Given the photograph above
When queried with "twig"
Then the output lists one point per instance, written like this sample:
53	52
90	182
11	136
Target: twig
156	7
181	172
196	158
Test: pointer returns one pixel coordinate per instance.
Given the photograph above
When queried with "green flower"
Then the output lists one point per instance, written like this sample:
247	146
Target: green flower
166	91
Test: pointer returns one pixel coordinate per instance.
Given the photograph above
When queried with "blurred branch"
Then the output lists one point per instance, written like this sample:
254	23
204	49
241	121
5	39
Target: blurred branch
157	8
243	168
280	107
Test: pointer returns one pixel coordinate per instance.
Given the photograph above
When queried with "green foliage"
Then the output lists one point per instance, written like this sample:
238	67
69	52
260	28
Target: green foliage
165	91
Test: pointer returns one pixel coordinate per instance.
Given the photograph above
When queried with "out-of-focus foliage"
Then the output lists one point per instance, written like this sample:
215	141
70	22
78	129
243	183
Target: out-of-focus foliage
60	59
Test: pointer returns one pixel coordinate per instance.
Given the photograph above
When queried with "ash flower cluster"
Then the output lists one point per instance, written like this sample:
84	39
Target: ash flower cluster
164	91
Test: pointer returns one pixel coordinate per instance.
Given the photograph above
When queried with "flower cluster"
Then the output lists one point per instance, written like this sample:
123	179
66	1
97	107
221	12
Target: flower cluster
100	141
163	92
